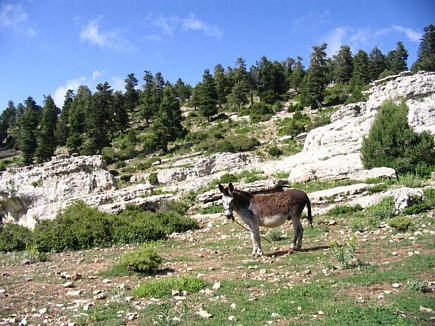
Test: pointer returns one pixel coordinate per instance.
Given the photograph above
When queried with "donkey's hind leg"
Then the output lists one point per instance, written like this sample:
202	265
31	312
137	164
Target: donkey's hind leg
298	233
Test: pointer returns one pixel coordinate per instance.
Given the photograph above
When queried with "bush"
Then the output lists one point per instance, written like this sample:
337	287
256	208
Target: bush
391	142
275	151
164	287
383	210
14	237
144	260
400	223
77	227
152	178
344	210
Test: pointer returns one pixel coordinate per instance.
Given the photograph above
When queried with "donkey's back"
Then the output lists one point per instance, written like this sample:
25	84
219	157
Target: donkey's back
290	203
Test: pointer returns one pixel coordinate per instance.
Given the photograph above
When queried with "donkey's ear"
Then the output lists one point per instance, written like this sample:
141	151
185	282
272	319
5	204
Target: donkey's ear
230	187
221	188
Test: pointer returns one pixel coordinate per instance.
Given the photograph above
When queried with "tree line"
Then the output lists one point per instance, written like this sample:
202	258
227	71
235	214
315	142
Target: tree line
89	121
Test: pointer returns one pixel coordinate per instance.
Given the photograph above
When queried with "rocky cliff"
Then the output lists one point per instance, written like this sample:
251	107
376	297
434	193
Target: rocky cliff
330	152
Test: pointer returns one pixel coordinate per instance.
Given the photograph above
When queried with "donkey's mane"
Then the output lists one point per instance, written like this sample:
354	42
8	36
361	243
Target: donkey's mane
244	194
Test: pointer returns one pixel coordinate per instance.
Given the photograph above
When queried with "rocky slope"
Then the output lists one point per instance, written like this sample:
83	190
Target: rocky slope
330	152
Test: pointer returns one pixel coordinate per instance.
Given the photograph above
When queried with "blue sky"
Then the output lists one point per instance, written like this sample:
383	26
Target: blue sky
49	46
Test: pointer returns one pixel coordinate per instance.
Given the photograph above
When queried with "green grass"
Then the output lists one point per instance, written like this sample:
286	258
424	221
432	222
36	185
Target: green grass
163	288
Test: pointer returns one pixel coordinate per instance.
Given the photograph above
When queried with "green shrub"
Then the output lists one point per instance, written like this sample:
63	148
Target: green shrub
119	165
14	237
125	177
275	151
380	187
77	227
244	143
344	210
227	178
383	210
344	253
393	143
153	179
400	223
144	260
164	287
211	209
417	286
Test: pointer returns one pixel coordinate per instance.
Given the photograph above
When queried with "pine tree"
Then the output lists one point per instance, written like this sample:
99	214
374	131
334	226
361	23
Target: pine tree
28	125
316	78
167	127
46	137
240	86
207	96
98	120
343	65
377	63
397	59
297	74
222	85
131	96
8	120
426	51
62	129
361	65
81	104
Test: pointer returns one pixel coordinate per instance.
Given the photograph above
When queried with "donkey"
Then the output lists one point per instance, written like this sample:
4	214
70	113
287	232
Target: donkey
268	210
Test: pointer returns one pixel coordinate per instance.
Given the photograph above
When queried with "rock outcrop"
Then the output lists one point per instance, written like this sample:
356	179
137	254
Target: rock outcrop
330	152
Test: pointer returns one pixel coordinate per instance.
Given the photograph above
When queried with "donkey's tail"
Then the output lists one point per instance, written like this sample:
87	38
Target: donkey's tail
310	217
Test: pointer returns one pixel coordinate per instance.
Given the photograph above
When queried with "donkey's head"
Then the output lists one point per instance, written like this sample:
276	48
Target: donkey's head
227	200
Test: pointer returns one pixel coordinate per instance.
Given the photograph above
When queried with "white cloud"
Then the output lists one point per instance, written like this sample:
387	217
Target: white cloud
413	36
97	74
169	26
193	23
335	39
113	39
92	34
115	82
59	94
13	16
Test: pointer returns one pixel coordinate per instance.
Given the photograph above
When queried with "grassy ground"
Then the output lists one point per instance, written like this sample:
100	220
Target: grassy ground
384	278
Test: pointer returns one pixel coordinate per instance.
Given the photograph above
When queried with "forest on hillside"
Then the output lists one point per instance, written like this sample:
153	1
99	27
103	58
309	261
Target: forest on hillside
149	116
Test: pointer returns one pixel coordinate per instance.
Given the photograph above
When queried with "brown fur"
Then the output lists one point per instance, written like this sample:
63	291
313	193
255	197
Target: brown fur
269	210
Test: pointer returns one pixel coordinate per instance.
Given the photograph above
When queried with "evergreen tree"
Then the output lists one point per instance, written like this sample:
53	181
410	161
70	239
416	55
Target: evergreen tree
240	86
343	65
166	127
98	122
316	78
297	74
222	85
426	51
377	63
360	74
62	130
265	80
8	120
28	125
182	90
81	104
207	96
397	59
46	137
120	116
150	97
391	142
131	96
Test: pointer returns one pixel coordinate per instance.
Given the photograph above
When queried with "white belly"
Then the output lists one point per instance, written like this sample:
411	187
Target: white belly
273	221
